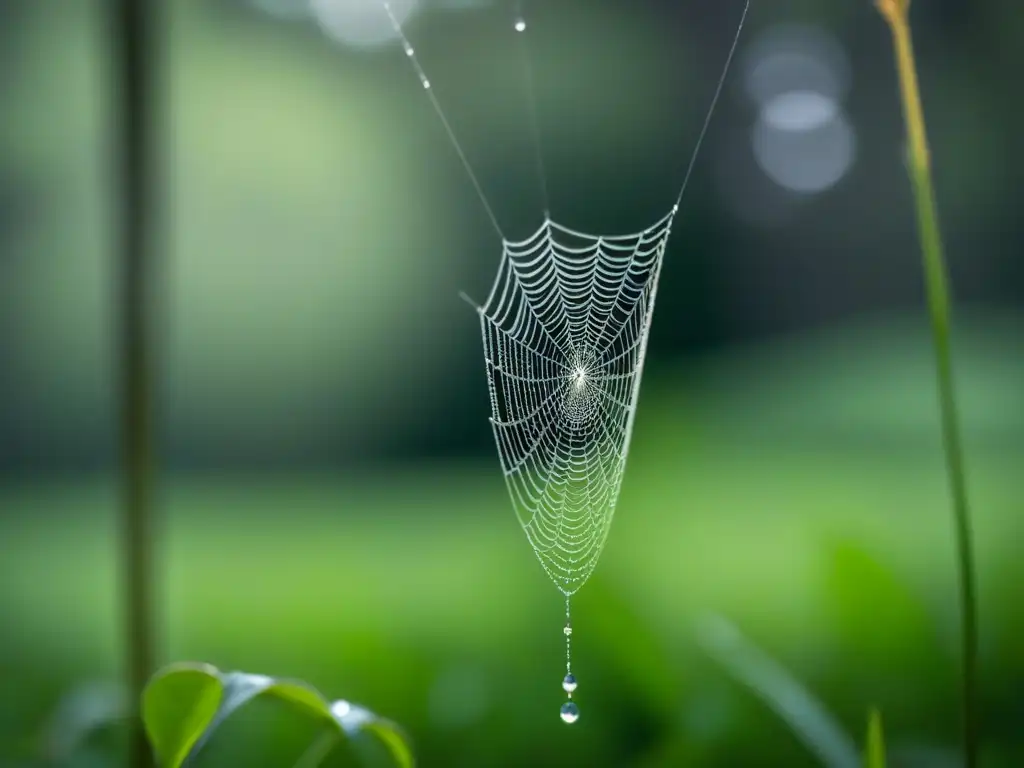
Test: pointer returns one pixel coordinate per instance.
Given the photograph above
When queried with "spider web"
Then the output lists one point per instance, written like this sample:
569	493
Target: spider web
565	331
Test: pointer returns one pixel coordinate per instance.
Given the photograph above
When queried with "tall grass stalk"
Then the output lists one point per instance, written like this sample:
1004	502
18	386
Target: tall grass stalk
132	40
897	15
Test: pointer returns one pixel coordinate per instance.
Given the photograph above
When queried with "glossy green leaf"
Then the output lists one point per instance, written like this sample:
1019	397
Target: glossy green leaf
874	749
812	723
178	706
184	705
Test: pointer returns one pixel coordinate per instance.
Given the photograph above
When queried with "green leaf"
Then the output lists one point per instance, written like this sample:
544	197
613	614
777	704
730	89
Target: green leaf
874	750
185	703
802	712
178	705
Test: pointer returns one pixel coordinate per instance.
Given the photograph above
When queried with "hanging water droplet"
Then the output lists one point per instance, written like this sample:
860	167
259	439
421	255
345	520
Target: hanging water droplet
567	630
426	84
569	684
409	51
520	25
569	713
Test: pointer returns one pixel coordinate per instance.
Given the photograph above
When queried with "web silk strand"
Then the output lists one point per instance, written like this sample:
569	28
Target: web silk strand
568	639
410	52
531	91
714	102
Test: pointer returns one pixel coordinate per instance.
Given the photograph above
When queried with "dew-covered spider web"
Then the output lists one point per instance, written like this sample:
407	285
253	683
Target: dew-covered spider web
565	330
564	333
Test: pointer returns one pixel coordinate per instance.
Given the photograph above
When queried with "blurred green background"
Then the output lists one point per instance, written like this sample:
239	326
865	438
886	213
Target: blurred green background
331	507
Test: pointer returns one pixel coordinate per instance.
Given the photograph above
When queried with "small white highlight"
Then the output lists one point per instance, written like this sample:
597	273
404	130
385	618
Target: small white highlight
520	25
569	713
579	378
258	681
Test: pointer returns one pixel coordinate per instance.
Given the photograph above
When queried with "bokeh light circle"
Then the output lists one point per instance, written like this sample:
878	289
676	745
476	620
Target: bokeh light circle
810	158
361	23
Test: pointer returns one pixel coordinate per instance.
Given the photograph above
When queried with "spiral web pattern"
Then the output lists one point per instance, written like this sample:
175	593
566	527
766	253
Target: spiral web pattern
565	332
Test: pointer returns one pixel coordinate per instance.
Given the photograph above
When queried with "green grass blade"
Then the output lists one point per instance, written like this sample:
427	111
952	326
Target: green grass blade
874	750
318	750
806	716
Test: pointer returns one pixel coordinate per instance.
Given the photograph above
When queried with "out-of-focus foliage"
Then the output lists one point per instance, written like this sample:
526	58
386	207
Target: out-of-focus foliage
184	704
330	504
427	606
790	700
874	750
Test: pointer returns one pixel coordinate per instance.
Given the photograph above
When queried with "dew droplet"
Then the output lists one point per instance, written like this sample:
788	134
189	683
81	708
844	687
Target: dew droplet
569	713
520	25
409	51
569	684
426	84
567	630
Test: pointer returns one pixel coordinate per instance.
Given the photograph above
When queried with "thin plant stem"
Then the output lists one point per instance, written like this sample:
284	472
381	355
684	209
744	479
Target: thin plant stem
896	13
132	40
318	750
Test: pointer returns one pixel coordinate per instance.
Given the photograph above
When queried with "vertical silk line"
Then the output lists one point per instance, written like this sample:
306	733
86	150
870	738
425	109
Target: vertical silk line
531	93
568	640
